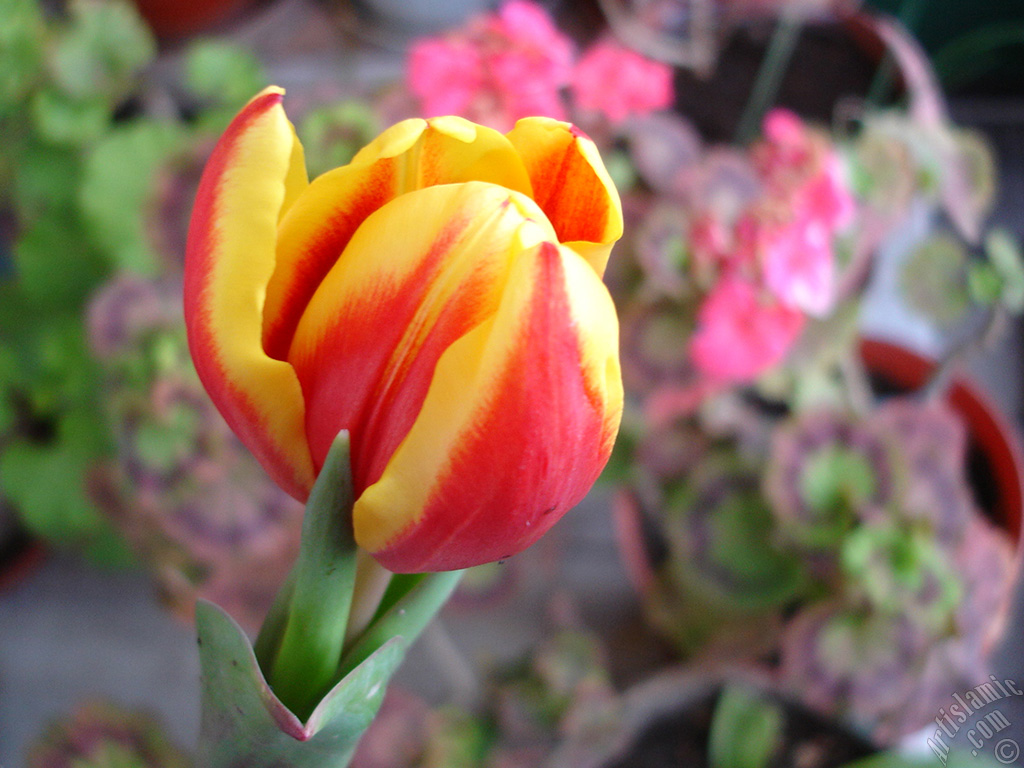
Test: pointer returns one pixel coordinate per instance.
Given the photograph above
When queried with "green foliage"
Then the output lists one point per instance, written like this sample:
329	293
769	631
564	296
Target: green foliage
331	135
903	574
720	535
223	76
45	178
998	279
460	741
835	481
116	187
56	266
77	180
65	121
46	483
935	279
21	50
101	50
1004	254
746	730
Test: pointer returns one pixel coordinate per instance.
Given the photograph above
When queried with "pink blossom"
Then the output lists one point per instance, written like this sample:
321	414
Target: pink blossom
741	332
827	196
806	204
446	75
799	267
617	82
799	166
496	69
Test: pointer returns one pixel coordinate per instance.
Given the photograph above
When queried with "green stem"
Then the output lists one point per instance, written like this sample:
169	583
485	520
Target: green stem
407	616
305	665
769	77
372	582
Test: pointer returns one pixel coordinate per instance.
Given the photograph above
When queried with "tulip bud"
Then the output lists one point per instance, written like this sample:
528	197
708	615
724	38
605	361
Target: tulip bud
439	298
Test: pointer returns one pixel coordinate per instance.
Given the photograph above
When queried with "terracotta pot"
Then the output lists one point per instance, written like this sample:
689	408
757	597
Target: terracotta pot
173	19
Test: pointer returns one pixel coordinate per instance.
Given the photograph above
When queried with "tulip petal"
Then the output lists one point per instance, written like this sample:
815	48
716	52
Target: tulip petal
518	423
256	169
411	155
571	186
366	347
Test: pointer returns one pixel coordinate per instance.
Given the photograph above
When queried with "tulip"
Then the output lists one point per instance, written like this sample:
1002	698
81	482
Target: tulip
440	298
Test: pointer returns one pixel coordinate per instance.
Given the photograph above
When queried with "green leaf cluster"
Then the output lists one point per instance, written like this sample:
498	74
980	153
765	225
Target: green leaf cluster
80	157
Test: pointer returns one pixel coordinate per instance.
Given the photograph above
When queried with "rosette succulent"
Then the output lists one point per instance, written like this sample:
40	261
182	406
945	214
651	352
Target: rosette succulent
182	489
104	735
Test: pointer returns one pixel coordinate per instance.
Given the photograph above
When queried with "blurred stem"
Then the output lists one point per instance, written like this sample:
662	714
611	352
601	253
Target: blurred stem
406	618
306	663
372	581
910	15
858	387
769	77
984	335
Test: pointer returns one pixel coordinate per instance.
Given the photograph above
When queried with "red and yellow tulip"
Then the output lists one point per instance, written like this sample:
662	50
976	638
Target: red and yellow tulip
440	298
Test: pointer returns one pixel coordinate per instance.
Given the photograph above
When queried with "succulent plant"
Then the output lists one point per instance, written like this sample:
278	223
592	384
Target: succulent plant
850	546
104	735
553	707
935	279
825	472
902	573
183	490
654	337
725	581
332	134
932	441
856	664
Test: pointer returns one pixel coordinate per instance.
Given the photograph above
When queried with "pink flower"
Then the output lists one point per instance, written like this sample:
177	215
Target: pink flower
800	166
827	196
498	68
446	75
799	267
741	332
617	82
807	203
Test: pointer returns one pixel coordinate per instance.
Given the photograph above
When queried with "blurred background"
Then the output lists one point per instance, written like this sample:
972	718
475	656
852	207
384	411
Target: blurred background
806	548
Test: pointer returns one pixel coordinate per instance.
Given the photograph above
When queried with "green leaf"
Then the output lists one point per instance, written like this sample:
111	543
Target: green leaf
7	415
836	480
984	284
407	618
116	188
106	547
46	485
21	50
244	723
56	265
746	730
103	48
68	121
46	177
1004	253
935	279
223	73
